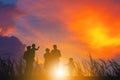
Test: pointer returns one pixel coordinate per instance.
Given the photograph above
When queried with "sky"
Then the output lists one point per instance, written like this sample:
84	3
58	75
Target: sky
78	27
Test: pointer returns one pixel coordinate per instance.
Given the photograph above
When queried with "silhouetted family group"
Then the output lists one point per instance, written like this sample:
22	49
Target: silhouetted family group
51	58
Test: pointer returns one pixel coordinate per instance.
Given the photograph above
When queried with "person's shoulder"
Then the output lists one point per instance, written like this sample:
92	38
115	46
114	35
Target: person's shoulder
58	50
45	54
32	48
52	51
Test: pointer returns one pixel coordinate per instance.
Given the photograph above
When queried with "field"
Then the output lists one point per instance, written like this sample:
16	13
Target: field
85	70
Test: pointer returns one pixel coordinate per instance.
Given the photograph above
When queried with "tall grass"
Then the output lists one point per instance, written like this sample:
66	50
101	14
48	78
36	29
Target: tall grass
98	68
12	70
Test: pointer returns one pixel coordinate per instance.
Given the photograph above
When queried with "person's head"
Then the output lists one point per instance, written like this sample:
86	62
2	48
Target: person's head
28	47
55	46
33	45
70	59
47	49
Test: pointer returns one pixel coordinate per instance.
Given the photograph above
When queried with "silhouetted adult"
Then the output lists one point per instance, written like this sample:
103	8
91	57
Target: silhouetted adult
47	57
56	54
33	49
29	60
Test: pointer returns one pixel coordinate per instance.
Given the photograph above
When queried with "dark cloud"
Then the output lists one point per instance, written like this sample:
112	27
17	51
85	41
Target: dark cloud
11	47
4	3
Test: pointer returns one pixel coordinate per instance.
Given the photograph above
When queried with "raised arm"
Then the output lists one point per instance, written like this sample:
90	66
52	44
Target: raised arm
37	48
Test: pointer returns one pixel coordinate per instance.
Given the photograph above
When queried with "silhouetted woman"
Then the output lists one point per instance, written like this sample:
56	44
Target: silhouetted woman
47	57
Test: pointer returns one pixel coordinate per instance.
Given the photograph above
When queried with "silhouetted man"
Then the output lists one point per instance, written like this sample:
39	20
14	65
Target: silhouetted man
47	57
29	60
56	54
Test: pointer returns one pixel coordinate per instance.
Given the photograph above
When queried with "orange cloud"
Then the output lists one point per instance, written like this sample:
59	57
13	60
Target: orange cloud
6	31
97	27
90	25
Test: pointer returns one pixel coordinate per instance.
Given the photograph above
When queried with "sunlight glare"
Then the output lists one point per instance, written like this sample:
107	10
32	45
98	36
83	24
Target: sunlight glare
60	72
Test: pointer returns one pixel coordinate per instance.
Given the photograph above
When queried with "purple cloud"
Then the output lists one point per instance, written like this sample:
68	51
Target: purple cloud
8	13
11	47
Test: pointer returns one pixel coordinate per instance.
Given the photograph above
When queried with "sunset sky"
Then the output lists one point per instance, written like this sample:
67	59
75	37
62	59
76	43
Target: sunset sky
78	27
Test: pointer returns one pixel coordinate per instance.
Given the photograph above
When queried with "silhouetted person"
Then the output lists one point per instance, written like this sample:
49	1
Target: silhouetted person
71	66
47	57
28	57
56	54
33	49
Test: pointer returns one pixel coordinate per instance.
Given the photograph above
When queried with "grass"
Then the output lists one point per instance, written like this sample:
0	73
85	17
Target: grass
98	68
87	70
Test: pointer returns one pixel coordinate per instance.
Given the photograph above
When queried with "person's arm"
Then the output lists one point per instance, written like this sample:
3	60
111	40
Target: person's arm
37	48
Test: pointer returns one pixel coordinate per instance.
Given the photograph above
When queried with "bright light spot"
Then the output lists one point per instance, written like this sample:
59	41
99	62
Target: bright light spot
60	72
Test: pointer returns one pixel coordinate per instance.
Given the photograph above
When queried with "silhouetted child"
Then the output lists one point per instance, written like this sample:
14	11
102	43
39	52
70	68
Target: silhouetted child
71	66
33	49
